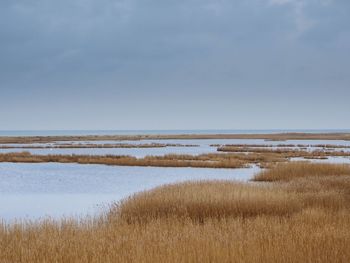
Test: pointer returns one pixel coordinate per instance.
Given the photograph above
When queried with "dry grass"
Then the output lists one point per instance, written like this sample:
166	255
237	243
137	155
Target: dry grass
235	157
313	235
332	146
324	146
171	160
265	157
287	152
93	146
305	219
269	137
290	171
206	200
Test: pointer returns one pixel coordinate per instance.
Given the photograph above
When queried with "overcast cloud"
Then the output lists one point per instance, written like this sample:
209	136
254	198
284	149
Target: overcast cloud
174	64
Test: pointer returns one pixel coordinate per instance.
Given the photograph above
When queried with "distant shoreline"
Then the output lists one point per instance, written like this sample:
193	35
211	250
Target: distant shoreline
263	136
26	133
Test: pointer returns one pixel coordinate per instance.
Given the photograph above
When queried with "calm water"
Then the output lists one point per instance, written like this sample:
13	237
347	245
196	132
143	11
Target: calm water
32	191
203	147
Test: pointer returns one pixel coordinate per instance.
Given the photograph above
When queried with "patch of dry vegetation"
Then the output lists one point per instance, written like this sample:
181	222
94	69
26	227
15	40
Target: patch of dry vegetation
324	146
291	171
268	137
284	151
266	156
171	160
229	157
304	219
206	200
94	146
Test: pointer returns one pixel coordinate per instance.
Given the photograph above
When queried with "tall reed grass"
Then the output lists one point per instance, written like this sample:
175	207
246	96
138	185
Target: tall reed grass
171	160
304	219
291	171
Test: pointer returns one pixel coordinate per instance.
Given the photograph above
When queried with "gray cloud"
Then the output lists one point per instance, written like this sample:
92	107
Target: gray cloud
215	57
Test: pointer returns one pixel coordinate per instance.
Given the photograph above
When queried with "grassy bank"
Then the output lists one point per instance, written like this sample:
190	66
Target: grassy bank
94	146
283	151
293	171
171	160
268	137
303	219
302	146
230	157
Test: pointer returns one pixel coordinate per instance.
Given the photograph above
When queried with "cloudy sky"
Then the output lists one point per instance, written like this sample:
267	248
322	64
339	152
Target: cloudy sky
174	64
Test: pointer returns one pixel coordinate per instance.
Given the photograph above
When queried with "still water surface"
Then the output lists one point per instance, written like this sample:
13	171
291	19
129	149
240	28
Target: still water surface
32	191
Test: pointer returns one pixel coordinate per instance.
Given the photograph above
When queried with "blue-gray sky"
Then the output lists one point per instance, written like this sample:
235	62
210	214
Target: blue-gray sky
174	64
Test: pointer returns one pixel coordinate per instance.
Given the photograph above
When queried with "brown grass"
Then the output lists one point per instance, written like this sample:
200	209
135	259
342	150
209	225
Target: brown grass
290	171
325	146
234	157
93	146
206	200
271	137
171	160
306	219
290	152
265	156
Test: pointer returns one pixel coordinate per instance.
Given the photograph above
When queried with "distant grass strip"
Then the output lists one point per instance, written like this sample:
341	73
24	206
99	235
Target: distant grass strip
324	146
94	146
236	157
268	137
171	160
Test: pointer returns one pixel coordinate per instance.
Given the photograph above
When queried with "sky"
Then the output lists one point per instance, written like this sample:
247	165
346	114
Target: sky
174	64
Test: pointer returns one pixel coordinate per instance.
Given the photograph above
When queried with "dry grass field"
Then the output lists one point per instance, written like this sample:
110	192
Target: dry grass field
301	215
267	137
171	160
292	171
283	150
94	146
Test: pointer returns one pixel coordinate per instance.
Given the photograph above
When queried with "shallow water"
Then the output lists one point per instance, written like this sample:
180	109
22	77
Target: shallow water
32	191
203	147
136	152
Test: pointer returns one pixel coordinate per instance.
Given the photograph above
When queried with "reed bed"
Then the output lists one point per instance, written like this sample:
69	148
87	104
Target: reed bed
305	219
94	146
260	145
281	150
268	137
266	156
228	157
214	160
312	235
206	200
291	171
325	146
172	160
